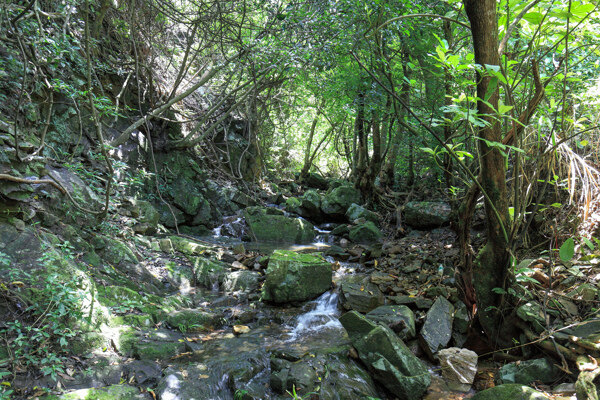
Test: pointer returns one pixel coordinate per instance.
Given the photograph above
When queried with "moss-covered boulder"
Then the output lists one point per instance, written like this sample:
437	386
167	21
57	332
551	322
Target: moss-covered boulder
356	211
310	204
511	391
292	276
156	344
365	233
388	359
114	392
268	225
427	214
193	320
337	202
292	204
188	246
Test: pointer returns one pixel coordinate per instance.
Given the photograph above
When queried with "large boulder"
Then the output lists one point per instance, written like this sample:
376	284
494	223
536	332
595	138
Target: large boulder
356	211
337	202
365	233
310	205
511	391
437	329
292	276
427	214
388	359
269	225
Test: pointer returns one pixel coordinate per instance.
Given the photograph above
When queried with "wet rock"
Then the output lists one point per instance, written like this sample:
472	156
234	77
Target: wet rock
245	281
399	318
356	212
114	392
459	367
388	359
240	329
437	329
292	276
360	294
510	392
526	372
427	214
336	202
270	226
365	233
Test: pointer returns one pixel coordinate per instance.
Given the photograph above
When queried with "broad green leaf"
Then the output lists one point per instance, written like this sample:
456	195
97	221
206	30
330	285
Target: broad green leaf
567	250
533	17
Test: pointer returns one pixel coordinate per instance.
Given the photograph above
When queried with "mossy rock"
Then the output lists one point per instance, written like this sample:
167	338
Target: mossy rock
365	233
193	320
336	202
292	204
292	276
87	341
188	246
114	392
113	296
267	225
116	252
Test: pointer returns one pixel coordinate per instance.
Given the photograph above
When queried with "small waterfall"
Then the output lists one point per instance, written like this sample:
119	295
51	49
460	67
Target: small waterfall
323	315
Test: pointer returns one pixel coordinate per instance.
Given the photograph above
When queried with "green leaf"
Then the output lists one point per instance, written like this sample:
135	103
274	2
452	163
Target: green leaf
588	243
567	250
533	18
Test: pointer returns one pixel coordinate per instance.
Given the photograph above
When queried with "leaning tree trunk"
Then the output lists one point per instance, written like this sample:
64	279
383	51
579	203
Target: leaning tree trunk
491	265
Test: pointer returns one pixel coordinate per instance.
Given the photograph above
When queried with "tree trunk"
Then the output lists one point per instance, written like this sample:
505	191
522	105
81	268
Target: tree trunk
491	265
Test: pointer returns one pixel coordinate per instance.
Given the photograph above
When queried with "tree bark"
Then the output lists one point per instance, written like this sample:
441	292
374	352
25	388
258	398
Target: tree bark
491	265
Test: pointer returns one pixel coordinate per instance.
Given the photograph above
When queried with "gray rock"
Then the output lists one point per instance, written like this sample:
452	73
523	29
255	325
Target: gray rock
459	367
387	357
362	296
400	319
427	214
526	372
437	329
510	392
